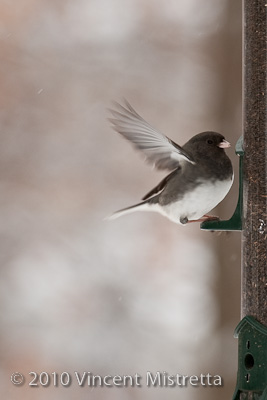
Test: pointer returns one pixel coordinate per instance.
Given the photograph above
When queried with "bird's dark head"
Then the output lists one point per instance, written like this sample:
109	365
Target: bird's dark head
206	145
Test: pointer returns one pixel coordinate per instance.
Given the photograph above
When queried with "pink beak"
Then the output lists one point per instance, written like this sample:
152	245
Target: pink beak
224	144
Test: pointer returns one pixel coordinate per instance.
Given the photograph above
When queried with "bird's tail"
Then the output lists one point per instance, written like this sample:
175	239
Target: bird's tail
143	206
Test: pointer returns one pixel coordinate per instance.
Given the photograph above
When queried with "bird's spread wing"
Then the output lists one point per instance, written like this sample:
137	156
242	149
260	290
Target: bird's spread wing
158	148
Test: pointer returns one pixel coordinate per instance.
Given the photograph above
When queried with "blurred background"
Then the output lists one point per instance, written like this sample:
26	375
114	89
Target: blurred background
140	293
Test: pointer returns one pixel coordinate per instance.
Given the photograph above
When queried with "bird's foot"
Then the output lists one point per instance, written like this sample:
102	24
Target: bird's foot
205	218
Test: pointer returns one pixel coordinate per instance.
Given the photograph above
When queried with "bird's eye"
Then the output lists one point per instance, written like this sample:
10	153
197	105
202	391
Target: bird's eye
209	141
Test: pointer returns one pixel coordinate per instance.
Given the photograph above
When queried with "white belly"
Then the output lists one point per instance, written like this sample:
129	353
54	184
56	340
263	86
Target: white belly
196	203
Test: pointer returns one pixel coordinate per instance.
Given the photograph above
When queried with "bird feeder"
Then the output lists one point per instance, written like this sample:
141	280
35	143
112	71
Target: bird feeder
250	215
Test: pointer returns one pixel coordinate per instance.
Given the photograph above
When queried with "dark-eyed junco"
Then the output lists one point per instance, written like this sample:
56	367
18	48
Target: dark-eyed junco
201	173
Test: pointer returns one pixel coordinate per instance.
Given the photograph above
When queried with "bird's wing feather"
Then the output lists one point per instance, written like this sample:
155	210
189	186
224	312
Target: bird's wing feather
160	187
158	148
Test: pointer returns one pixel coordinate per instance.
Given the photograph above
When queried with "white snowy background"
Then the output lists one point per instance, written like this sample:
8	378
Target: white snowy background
78	293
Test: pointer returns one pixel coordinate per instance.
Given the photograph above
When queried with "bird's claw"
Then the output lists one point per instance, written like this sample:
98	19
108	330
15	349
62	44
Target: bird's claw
205	218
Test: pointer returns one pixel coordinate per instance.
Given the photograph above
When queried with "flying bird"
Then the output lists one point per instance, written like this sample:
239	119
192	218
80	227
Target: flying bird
200	172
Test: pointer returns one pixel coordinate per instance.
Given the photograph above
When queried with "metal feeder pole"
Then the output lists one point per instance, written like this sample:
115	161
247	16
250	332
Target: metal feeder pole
254	269
252	330
250	215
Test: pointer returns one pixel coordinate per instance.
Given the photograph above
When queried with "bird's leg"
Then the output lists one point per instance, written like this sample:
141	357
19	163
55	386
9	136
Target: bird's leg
205	218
